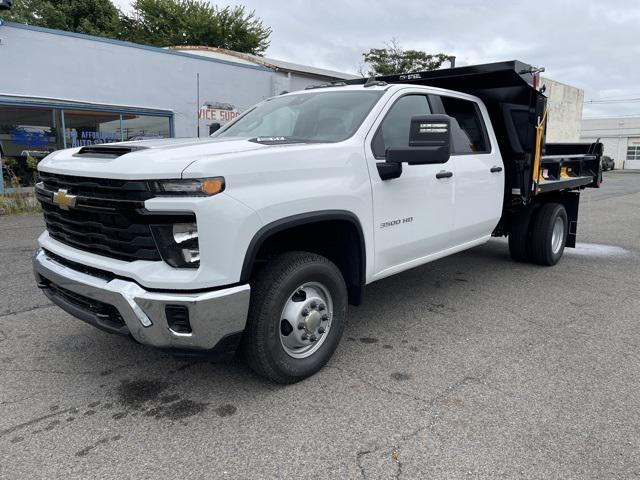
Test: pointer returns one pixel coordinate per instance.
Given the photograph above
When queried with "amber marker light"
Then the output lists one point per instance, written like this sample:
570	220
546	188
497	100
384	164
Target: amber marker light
211	186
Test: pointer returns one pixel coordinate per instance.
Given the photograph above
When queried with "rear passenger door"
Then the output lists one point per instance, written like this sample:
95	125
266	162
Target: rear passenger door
479	185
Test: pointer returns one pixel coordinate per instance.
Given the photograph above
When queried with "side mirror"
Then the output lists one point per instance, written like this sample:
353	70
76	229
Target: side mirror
213	128
429	142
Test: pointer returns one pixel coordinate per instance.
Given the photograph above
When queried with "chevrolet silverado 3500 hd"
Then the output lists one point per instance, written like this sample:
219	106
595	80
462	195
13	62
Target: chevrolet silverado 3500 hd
260	236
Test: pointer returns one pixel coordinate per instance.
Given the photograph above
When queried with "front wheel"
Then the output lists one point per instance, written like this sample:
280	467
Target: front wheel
549	234
296	317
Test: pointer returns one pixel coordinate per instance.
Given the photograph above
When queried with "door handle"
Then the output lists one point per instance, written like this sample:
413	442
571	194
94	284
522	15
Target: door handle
444	174
496	169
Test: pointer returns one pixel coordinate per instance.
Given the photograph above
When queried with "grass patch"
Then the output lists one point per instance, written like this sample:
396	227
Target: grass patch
18	203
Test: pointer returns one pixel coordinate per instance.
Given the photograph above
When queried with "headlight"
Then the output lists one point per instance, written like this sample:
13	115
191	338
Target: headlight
197	187
178	244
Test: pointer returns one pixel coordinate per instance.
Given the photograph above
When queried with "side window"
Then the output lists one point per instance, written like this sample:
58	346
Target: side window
394	130
468	133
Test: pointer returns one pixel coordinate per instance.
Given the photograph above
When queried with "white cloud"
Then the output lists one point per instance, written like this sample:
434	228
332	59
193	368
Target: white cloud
122	4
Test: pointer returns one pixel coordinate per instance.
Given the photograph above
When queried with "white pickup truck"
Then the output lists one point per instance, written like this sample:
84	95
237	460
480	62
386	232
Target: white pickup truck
260	236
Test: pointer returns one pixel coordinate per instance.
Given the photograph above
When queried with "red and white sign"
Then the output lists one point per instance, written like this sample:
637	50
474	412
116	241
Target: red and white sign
216	114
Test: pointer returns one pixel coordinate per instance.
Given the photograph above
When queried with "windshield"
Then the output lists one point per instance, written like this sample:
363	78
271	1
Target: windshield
309	117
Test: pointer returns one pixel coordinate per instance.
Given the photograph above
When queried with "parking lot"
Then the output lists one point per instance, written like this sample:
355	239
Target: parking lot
470	367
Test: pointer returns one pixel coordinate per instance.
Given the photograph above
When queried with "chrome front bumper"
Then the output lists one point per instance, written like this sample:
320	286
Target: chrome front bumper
124	307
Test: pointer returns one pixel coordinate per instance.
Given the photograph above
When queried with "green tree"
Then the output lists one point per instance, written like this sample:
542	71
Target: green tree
194	22
393	60
93	17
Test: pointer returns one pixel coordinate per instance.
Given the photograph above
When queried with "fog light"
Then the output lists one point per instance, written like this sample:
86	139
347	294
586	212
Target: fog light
183	232
191	255
178	244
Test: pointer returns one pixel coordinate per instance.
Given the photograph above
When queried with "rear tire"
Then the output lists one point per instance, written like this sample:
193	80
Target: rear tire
549	231
274	345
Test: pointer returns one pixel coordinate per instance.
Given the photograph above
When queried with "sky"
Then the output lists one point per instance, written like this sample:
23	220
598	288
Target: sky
593	45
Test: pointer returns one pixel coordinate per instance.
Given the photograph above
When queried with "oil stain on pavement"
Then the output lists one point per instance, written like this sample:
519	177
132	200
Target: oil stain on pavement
149	397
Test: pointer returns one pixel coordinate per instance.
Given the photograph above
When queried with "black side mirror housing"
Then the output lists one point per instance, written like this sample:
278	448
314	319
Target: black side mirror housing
429	142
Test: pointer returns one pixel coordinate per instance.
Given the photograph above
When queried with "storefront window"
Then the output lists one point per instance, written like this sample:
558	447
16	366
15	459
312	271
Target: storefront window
27	135
83	128
30	133
145	127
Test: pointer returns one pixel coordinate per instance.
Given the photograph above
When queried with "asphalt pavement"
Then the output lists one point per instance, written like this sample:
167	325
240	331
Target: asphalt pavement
469	367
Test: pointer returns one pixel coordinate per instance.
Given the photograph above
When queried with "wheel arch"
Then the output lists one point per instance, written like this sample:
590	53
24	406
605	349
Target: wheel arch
290	232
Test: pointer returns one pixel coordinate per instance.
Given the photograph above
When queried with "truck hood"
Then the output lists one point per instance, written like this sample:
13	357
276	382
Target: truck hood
146	159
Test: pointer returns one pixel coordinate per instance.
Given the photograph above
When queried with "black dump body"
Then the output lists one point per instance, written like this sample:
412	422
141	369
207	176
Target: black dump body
516	109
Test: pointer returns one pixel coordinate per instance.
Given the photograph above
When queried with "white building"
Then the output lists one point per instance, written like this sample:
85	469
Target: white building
565	111
620	137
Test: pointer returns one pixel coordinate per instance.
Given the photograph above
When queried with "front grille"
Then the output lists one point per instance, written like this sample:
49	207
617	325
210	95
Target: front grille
102	188
108	217
113	234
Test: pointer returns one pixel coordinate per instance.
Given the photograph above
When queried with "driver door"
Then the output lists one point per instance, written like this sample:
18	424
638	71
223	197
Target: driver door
413	214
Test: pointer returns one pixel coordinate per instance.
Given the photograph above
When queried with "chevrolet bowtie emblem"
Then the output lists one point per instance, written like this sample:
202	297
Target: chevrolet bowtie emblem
64	200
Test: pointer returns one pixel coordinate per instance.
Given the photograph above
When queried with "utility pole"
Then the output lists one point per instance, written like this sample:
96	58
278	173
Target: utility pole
198	101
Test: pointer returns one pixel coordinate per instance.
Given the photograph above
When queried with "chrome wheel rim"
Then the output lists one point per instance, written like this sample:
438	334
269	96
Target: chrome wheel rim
306	320
557	236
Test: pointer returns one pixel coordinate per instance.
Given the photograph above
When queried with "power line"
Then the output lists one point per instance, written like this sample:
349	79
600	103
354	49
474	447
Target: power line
609	97
618	100
613	116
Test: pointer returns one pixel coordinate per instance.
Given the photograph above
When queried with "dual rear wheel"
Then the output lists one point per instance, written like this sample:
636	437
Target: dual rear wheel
540	235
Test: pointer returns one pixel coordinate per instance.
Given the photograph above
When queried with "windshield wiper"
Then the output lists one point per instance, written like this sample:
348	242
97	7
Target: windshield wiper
281	140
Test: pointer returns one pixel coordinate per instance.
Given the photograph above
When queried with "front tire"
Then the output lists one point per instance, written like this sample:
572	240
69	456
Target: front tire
549	234
296	317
